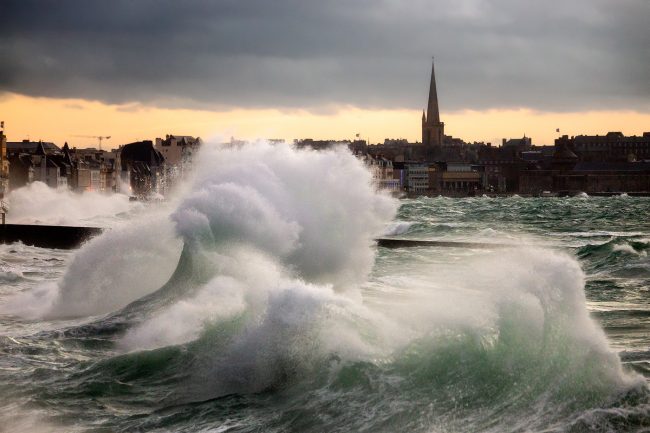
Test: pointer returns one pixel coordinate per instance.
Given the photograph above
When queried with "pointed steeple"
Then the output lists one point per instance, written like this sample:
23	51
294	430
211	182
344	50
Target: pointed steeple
433	130
433	115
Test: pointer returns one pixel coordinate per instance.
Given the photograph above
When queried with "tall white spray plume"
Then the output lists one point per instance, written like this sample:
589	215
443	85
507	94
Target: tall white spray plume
269	218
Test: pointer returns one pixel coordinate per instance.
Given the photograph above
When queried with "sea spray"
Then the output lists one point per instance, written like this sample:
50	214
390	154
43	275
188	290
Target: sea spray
125	263
397	228
294	217
37	203
110	271
316	211
273	198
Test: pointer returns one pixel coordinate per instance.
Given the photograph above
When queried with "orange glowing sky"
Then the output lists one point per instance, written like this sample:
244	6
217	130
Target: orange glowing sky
61	120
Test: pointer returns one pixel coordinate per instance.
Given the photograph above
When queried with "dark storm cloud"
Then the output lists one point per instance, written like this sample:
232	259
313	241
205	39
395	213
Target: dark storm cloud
551	55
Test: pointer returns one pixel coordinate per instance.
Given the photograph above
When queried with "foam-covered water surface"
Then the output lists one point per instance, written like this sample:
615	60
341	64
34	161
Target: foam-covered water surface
257	301
37	203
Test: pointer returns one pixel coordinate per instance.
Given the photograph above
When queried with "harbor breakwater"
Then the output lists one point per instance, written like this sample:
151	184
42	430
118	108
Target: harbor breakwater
68	237
47	236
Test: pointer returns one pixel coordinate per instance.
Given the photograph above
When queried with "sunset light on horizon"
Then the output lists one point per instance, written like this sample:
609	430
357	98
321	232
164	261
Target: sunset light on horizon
66	120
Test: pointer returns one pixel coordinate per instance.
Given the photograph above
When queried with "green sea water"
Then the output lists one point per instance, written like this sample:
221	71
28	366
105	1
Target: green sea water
551	333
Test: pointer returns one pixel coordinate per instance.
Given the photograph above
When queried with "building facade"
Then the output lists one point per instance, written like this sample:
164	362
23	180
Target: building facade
417	178
179	152
142	167
612	147
4	164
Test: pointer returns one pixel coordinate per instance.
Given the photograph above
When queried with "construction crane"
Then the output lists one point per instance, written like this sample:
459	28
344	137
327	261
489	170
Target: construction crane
98	137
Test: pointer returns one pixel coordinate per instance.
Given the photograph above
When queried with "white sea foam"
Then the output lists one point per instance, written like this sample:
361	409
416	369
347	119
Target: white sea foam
316	211
629	249
37	203
489	232
123	264
533	294
276	222
527	303
397	228
33	303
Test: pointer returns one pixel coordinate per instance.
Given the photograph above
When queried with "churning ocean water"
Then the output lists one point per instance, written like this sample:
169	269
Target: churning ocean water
257	301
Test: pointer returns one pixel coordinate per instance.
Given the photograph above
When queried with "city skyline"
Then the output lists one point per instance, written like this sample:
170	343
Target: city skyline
327	70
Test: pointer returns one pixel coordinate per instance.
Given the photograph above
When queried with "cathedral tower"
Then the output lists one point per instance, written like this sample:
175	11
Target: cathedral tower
433	130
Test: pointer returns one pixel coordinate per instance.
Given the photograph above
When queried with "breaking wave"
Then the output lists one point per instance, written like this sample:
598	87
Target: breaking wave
269	318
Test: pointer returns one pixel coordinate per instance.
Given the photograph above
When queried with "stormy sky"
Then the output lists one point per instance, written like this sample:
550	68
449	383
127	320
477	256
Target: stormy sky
551	55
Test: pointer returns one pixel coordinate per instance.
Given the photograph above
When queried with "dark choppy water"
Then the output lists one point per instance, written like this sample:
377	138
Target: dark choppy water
437	340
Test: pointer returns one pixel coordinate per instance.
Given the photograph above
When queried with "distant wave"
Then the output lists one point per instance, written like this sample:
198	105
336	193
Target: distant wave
397	228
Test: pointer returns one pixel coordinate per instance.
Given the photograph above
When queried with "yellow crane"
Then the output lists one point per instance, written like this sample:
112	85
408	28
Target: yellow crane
98	137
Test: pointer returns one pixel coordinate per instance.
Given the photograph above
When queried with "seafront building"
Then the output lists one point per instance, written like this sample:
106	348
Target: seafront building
141	168
36	162
77	169
135	168
611	147
178	152
383	174
565	173
94	169
4	164
417	177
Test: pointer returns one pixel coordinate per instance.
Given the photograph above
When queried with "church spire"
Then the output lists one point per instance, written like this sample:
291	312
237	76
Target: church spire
433	130
433	114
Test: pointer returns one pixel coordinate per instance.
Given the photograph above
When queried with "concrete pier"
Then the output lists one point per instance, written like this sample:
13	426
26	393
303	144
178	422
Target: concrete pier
68	237
410	243
60	237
